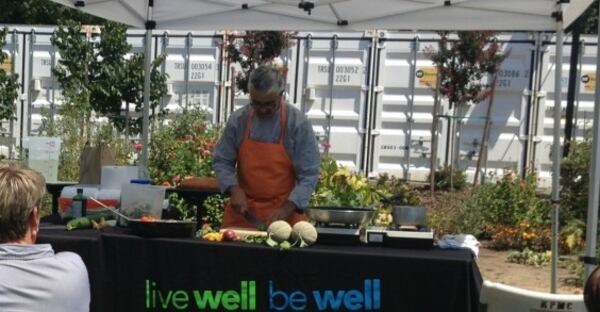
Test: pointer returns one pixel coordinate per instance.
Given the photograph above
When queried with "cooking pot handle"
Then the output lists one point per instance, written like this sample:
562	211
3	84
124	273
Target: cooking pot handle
392	200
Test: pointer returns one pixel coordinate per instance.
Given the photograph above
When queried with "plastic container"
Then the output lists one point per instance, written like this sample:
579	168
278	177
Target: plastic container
138	200
43	155
113	177
140	181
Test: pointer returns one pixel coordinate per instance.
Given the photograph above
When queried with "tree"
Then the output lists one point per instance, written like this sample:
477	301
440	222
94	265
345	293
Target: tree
590	19
8	85
256	48
41	12
97	77
462	64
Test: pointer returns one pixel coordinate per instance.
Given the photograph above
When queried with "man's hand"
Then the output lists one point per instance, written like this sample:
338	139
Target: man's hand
239	203
283	213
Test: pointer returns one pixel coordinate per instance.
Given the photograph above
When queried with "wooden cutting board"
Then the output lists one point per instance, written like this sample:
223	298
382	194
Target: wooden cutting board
243	232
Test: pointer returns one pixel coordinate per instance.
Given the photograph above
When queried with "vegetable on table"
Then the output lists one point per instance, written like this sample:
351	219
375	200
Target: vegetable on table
304	233
279	231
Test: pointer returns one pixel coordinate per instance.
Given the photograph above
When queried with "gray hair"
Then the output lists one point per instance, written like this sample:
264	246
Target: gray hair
266	79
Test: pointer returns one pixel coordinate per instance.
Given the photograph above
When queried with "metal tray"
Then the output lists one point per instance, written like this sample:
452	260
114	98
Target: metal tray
340	215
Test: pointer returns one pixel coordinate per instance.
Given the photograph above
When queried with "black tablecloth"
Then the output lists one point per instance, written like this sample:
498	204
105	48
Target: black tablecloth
129	273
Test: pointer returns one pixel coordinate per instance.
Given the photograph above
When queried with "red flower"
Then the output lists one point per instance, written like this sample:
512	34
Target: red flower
176	179
138	146
326	145
200	128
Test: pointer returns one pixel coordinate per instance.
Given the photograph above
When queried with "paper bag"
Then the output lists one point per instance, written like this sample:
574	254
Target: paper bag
91	162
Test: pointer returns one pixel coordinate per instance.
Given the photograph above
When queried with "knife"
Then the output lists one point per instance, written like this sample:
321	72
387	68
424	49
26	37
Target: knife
254	220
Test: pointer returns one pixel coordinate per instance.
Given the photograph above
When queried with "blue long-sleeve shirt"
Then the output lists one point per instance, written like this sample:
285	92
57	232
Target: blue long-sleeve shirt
300	144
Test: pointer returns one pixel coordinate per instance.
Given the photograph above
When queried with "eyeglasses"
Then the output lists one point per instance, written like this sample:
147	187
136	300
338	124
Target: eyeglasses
270	104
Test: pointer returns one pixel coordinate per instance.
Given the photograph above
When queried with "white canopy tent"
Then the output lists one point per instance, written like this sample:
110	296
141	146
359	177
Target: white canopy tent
345	15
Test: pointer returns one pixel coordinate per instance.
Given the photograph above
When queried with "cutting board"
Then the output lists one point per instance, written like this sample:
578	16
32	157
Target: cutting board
243	232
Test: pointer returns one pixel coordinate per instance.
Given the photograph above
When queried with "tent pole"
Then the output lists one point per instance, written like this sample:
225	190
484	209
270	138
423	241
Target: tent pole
143	166
593	196
556	154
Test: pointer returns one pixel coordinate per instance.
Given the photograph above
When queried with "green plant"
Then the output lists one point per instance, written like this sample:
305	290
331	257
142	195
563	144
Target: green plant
450	178
510	200
96	76
67	129
255	48
529	257
572	235
444	213
387	186
520	237
214	207
574	179
340	187
8	85
183	147
186	211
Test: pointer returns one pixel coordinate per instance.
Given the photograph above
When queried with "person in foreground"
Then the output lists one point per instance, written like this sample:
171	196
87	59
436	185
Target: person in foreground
591	292
33	277
276	153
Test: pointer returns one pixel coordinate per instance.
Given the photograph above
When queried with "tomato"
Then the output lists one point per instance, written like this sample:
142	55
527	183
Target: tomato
229	235
148	219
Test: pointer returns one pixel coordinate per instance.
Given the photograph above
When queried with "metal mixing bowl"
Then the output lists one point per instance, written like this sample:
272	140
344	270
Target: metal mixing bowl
340	215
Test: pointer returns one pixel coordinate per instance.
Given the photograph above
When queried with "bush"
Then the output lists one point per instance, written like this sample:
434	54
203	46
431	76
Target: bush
388	186
444	213
181	148
215	207
509	201
522	237
574	179
447	178
530	257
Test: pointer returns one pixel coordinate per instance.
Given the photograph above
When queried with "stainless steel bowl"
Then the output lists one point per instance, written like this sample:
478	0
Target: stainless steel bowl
339	215
409	215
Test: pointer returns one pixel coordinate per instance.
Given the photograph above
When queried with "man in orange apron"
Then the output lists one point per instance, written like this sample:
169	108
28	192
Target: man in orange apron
268	157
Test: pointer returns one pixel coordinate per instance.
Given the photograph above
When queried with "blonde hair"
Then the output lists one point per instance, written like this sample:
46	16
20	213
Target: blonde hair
21	189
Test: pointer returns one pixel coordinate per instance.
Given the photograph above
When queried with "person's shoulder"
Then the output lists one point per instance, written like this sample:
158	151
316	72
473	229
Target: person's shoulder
70	258
240	113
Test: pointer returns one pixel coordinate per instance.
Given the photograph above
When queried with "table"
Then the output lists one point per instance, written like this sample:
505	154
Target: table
129	273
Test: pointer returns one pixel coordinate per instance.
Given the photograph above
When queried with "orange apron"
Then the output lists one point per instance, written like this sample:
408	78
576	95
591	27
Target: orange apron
267	176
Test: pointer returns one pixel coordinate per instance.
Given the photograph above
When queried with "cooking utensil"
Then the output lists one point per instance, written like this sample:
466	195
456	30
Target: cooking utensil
250	217
409	215
406	215
340	215
111	209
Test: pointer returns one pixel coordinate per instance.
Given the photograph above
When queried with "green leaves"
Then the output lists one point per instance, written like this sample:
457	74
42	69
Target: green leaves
464	62
97	76
8	85
255	48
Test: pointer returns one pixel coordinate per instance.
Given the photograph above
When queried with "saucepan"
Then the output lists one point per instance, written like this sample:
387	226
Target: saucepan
406	215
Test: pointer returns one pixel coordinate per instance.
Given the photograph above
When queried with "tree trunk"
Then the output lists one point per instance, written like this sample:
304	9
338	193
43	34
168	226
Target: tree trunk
433	155
486	132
